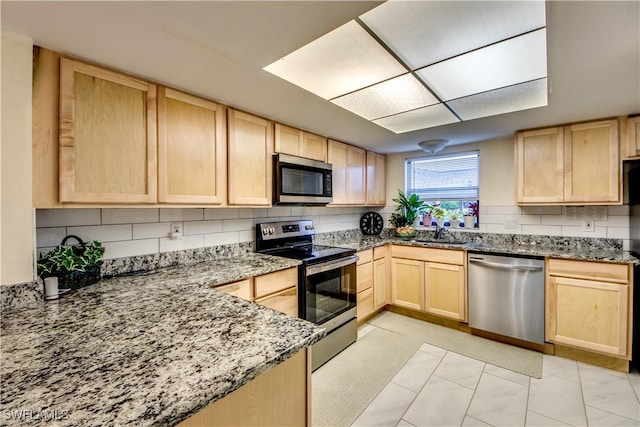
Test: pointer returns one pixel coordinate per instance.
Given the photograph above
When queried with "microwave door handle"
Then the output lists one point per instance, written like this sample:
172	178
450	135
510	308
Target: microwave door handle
331	265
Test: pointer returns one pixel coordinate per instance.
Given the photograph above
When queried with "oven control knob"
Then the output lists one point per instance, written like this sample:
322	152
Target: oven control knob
272	230
308	227
265	231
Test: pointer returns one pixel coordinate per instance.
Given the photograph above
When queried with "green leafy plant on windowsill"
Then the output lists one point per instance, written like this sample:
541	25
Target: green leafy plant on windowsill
408	209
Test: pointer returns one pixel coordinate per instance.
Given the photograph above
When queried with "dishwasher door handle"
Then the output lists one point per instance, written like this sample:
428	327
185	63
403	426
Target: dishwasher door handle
505	266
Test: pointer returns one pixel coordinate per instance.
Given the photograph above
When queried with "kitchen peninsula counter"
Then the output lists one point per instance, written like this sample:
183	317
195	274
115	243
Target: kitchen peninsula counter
148	349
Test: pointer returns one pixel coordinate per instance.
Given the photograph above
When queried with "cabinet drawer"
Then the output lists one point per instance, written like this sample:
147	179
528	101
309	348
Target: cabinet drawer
241	289
365	303
365	256
380	252
274	282
606	271
285	301
365	276
445	256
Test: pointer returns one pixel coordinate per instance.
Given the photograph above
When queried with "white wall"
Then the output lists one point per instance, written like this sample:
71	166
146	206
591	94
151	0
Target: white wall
129	232
16	213
497	197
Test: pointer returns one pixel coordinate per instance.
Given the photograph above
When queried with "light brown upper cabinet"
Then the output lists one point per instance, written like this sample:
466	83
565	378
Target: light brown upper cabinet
192	149
349	166
107	136
250	163
592	162
575	164
632	140
376	179
295	142
539	157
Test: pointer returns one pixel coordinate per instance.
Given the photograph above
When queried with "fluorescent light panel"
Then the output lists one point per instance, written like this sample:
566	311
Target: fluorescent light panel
481	58
426	32
513	61
342	61
427	117
500	101
390	97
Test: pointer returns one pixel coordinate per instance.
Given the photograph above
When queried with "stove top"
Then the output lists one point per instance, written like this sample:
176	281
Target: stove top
294	239
310	253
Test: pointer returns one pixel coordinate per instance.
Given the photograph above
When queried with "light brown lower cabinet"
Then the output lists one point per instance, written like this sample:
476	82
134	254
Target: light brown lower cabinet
588	306
277	290
407	283
445	294
279	397
285	301
429	279
364	287
381	282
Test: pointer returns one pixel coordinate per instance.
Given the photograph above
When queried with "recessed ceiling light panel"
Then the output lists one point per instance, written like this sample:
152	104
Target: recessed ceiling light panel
500	101
513	61
425	32
342	61
427	117
390	97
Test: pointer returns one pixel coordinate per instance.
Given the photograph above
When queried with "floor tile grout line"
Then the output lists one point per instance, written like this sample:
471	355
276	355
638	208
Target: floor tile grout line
423	385
547	416
612	413
526	406
584	403
466	413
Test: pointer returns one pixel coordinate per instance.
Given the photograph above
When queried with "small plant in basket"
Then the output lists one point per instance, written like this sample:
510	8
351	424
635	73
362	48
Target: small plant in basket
75	266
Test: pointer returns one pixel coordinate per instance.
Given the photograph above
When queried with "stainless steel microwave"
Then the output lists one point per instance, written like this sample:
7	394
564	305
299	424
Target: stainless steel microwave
300	181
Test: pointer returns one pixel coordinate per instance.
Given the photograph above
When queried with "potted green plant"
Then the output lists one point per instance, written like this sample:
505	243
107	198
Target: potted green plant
454	217
438	213
471	215
408	209
74	266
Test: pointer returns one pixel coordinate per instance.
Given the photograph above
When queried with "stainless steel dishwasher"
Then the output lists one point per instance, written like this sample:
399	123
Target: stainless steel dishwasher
506	296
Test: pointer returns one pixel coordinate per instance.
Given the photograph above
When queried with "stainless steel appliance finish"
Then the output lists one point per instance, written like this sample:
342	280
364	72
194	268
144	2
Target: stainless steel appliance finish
300	181
326	282
506	296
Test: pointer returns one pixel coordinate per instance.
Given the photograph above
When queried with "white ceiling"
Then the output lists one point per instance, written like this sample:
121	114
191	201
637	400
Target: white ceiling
218	50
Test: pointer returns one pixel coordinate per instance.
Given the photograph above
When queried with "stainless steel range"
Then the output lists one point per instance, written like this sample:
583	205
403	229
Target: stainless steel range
326	282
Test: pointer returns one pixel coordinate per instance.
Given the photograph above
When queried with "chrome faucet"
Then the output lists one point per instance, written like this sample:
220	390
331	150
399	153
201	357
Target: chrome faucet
439	231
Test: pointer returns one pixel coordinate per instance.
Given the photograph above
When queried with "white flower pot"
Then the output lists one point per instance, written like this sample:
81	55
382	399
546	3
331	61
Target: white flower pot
469	221
454	223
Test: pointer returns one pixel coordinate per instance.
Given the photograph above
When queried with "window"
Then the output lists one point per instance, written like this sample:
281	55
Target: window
450	181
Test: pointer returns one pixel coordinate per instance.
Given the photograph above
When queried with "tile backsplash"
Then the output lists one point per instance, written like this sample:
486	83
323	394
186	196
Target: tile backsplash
130	232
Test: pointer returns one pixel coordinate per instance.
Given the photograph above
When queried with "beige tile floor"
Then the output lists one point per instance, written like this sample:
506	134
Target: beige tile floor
437	387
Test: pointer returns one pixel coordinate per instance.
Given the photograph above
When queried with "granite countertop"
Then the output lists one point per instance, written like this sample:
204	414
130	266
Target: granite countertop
148	349
509	248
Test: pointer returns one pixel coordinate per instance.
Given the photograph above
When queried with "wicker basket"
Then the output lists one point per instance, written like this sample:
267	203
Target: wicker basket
78	279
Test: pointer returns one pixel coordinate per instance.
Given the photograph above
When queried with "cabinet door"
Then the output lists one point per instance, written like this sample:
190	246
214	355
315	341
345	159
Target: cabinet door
285	301
364	305
107	136
337	156
380	283
539	166
407	283
365	276
241	289
275	282
314	147
592	162
445	290
250	151
633	137
376	179
588	314
192	149
348	173
288	140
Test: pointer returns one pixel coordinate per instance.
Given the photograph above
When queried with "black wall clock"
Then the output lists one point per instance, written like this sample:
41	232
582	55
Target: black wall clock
371	224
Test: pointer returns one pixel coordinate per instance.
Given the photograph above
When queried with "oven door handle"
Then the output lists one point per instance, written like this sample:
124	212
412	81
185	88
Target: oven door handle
331	265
